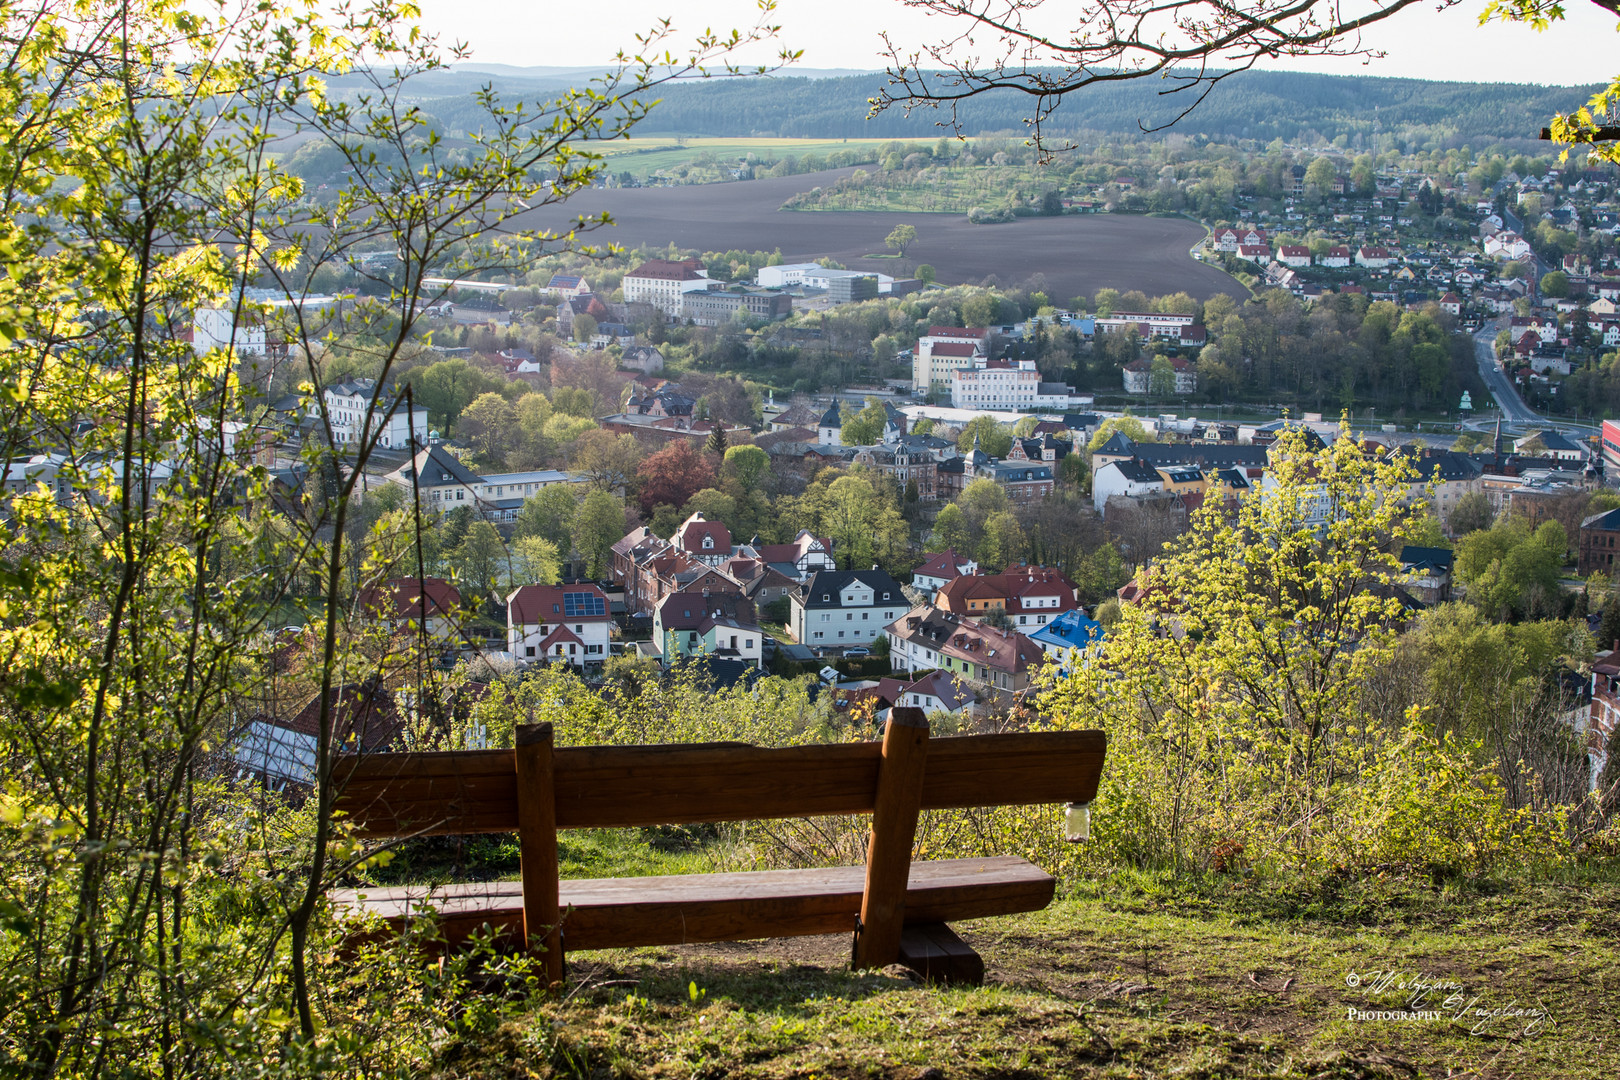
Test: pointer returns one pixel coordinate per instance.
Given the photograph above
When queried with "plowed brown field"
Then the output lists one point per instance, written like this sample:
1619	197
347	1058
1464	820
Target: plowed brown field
1076	254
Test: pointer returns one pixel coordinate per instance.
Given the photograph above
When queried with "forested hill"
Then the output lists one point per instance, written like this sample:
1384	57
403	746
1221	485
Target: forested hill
1260	105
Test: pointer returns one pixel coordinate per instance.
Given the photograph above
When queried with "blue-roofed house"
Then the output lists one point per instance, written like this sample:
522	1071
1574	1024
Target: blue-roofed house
1068	638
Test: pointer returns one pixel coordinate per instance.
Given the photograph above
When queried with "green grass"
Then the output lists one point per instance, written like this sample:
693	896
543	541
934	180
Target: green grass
1126	978
947	190
647	155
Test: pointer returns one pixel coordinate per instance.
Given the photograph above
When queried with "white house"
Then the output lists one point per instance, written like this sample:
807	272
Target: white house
398	426
1507	245
1295	255
940	569
1373	258
567	623
1123	478
838	608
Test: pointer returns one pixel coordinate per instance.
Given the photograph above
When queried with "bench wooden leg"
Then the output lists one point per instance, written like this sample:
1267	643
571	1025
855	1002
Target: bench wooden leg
934	951
537	844
894	828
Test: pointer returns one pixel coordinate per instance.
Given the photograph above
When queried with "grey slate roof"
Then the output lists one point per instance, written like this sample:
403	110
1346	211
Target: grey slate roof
831	583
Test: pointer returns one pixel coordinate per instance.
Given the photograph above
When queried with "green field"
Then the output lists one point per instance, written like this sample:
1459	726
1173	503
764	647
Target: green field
647	155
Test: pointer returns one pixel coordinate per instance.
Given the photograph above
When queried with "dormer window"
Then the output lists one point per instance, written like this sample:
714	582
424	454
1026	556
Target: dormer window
708	542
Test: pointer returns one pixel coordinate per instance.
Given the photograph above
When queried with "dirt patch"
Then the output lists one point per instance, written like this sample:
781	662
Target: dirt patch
1075	254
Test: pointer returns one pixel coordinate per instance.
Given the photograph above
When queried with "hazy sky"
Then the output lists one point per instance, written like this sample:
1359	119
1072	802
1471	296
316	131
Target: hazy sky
1420	43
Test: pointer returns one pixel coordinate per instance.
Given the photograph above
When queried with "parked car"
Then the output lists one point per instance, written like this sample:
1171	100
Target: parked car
859	650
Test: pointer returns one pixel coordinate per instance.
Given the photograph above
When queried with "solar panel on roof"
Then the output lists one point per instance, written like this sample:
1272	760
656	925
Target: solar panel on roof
579	605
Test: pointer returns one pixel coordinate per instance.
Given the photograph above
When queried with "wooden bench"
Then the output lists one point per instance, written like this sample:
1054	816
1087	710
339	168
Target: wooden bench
896	908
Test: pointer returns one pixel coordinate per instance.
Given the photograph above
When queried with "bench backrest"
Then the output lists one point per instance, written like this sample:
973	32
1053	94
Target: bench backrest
475	791
537	788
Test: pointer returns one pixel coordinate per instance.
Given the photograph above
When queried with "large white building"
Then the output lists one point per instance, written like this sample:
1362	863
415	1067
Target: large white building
1150	323
1006	386
662	283
347	404
840	608
223	327
785	276
945	349
442	483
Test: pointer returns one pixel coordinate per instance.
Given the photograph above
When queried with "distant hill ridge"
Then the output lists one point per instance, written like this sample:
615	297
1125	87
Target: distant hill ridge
1261	105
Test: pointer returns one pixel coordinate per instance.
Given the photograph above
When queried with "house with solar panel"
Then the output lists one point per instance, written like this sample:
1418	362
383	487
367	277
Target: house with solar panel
551	623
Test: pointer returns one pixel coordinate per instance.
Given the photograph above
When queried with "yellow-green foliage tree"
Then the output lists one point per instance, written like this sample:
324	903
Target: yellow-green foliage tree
157	919
1232	695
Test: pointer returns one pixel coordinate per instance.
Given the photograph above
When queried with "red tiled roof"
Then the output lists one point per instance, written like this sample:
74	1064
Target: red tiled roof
533	605
402	598
665	270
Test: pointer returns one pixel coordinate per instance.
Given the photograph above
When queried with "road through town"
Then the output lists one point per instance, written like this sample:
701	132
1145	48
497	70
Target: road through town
1514	410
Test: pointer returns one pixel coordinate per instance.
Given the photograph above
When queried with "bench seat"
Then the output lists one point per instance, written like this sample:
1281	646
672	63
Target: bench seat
610	913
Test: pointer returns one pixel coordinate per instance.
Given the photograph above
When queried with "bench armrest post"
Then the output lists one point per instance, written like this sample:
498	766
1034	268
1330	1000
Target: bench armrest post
537	843
894	829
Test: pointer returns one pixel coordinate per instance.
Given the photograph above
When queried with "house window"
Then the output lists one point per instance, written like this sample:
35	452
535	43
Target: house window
818	635
840	633
529	651
826	617
849	616
865	615
461	496
578	628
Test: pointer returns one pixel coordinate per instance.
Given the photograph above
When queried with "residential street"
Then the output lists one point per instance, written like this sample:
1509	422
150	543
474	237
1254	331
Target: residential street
1514	410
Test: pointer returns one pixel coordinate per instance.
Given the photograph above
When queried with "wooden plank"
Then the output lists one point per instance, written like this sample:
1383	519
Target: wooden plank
934	951
537	842
894	829
608	787
607	913
676	785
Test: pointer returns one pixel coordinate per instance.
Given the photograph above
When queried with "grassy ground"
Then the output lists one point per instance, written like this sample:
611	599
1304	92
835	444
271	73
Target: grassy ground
947	190
1125	979
645	156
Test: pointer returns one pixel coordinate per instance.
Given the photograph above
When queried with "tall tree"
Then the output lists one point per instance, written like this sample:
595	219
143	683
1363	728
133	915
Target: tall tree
672	476
597	527
159	921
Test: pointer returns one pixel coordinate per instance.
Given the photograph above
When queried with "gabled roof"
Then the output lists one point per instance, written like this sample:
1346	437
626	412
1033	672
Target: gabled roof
1118	443
950	691
1070	630
1608	521
1136	471
690	610
665	270
944	564
967	639
535	605
1419	558
831	583
692	532
405	598
436	467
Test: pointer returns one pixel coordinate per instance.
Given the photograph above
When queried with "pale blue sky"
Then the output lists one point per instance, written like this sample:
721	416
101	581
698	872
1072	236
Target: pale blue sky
1421	43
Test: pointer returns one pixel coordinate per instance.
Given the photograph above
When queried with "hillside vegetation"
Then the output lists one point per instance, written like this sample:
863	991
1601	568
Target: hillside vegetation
1260	105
